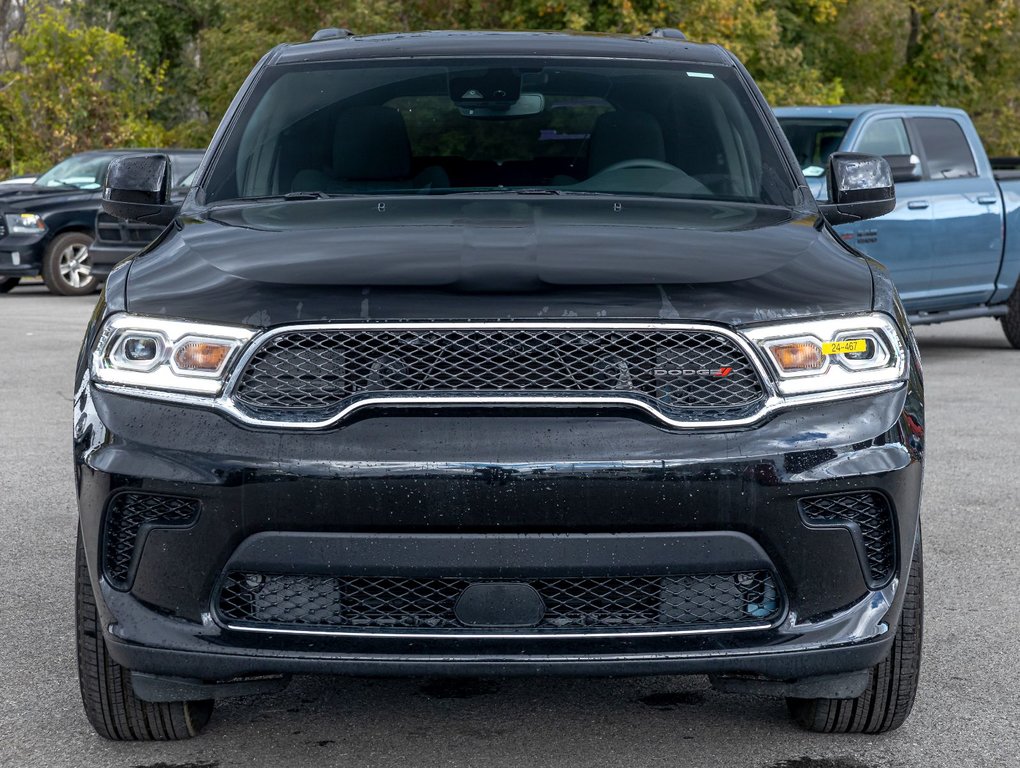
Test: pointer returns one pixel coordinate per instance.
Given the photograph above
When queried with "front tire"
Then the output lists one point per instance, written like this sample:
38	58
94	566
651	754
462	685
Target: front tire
8	284
67	266
110	702
1011	320
887	702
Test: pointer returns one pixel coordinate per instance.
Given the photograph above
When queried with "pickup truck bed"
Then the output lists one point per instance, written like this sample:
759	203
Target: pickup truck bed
1005	168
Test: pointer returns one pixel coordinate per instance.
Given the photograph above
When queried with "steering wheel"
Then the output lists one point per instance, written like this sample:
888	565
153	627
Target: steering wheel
638	162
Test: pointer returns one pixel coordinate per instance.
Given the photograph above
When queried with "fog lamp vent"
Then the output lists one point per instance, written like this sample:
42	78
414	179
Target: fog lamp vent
129	518
869	519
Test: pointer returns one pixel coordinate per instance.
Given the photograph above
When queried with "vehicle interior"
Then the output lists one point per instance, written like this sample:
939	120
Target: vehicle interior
677	131
813	141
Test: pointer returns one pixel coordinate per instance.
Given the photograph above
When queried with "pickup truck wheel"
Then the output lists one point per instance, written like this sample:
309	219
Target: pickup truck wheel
1011	320
110	702
67	267
8	284
884	706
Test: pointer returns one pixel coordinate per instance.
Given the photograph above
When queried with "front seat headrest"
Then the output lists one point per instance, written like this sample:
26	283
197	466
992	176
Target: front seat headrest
370	143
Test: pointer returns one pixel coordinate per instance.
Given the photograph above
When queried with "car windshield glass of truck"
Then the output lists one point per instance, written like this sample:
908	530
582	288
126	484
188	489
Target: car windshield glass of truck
81	171
506	126
813	141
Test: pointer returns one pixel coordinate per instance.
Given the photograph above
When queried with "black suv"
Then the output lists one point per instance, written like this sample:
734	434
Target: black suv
47	227
498	354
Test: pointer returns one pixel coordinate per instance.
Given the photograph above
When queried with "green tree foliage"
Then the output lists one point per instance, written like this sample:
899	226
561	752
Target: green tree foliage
252	27
751	28
77	88
754	31
163	34
124	71
966	54
961	53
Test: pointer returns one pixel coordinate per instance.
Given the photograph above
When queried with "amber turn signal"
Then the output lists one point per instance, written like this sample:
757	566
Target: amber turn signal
202	356
795	356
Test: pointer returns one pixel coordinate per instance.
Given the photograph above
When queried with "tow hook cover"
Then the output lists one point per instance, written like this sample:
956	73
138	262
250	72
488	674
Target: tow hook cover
502	604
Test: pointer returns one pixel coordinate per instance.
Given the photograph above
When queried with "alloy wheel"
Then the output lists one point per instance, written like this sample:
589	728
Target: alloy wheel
76	265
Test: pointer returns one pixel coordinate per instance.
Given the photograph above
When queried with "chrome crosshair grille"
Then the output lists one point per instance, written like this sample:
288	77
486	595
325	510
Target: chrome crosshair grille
696	374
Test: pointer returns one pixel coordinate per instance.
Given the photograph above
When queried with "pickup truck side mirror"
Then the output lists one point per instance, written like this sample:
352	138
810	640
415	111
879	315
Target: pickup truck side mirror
138	189
860	187
904	167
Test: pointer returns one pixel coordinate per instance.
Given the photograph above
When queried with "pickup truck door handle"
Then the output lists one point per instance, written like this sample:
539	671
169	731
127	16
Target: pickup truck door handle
987	200
917	205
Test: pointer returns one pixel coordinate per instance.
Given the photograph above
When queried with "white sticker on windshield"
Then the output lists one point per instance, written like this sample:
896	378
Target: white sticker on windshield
708	75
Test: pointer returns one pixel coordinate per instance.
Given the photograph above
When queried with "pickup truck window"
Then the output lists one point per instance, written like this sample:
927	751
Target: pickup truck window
556	126
946	148
885	137
813	141
86	171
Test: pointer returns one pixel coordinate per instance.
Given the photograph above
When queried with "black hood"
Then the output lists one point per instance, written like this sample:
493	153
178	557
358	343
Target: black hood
497	258
22	197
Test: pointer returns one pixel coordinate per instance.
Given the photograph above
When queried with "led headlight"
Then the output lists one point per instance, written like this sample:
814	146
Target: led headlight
170	355
24	223
837	354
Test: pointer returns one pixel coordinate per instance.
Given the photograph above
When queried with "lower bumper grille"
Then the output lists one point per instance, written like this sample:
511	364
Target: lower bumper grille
869	518
128	517
694	601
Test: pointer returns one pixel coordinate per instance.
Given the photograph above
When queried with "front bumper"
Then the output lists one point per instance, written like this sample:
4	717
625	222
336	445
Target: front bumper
552	483
22	255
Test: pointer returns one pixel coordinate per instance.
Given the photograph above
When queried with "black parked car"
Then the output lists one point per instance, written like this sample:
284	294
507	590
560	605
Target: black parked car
48	225
498	354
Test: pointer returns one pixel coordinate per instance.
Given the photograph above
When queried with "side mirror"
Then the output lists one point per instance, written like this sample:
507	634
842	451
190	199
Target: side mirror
138	189
904	167
860	187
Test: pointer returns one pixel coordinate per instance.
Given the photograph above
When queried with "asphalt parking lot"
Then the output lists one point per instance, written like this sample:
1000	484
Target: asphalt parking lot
967	713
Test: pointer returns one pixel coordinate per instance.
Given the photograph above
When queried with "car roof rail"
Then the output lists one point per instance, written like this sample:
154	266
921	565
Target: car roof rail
332	33
669	33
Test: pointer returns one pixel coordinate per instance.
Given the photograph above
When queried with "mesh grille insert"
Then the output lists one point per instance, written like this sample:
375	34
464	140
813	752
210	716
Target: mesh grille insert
382	603
871	513
685	374
126	515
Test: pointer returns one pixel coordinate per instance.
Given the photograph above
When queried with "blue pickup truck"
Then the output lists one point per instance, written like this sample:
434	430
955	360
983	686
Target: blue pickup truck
952	243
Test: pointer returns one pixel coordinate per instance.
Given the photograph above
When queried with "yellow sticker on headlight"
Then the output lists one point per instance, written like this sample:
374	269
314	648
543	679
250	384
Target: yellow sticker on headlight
845	346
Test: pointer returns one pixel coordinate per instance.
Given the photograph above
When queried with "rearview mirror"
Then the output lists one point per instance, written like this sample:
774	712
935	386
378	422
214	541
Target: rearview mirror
860	187
527	104
904	167
138	189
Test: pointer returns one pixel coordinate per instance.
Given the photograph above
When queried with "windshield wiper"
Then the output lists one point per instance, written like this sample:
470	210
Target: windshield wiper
305	196
58	183
290	196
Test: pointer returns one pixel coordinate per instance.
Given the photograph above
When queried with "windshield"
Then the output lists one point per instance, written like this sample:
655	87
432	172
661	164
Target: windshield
813	140
530	126
81	171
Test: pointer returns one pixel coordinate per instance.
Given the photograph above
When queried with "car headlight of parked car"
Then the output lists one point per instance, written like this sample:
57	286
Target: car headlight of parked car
24	223
833	354
167	355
